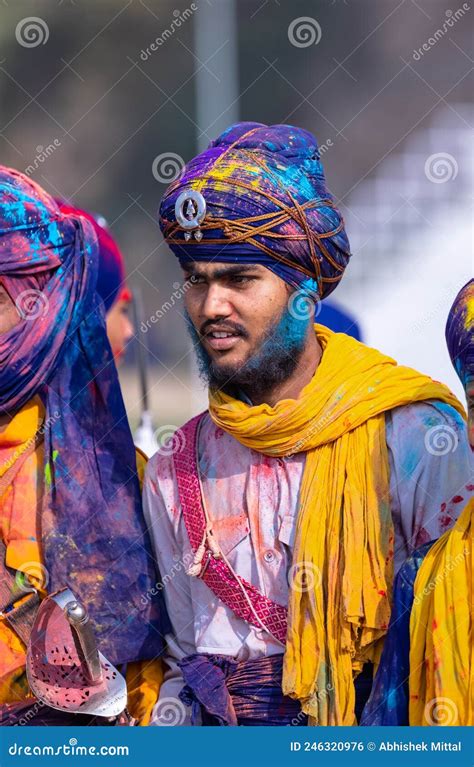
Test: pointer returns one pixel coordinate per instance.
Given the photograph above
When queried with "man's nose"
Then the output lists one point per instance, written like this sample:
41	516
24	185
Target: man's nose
216	303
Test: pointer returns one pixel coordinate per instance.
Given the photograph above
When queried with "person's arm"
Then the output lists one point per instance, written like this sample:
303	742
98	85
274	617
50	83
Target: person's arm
431	472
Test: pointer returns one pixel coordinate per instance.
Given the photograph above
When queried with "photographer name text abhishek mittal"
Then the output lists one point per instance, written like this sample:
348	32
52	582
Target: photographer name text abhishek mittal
439	745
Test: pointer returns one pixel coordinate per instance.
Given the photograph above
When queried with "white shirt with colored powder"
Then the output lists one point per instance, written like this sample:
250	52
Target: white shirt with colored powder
253	503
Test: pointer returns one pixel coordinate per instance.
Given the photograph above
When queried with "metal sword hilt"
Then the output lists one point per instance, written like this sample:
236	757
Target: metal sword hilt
84	640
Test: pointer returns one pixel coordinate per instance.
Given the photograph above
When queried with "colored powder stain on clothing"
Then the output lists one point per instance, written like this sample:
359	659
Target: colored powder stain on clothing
392	699
446	521
469	320
410	461
47	469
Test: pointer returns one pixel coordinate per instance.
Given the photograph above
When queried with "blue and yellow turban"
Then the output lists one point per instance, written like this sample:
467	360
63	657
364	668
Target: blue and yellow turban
266	203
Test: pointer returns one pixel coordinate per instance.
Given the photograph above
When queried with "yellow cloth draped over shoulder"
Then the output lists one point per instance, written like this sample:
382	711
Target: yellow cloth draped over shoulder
442	631
340	595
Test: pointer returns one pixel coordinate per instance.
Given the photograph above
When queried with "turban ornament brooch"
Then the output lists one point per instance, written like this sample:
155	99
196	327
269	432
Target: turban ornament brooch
190	209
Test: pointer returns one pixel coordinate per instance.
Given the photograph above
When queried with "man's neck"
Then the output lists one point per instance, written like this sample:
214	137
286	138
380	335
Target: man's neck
293	386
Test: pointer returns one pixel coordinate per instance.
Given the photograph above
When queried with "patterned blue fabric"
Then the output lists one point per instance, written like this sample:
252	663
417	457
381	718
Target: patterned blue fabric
230	693
388	701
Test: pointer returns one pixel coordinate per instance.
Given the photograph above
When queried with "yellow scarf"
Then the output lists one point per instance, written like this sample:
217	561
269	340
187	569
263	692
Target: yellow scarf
341	577
442	632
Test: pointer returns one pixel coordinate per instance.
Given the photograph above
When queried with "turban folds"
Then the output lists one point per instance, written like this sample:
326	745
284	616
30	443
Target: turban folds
111	279
93	537
266	203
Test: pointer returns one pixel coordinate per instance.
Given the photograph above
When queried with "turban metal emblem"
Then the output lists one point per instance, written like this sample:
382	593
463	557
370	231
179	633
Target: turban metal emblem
190	209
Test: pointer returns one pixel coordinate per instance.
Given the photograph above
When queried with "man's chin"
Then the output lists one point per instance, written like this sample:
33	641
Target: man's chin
225	373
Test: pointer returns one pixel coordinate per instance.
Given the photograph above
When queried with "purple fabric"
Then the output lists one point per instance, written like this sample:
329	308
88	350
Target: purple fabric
230	693
93	535
459	334
233	183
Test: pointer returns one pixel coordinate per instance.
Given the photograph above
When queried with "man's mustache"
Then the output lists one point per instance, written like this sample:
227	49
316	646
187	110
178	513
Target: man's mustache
222	326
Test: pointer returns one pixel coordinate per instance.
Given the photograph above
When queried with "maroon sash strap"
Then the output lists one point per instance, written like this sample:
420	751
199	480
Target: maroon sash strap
231	589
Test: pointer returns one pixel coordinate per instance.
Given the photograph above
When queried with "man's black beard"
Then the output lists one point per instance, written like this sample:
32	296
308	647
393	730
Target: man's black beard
274	362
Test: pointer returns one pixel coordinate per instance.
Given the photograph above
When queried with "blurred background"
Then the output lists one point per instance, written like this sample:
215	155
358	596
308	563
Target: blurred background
102	103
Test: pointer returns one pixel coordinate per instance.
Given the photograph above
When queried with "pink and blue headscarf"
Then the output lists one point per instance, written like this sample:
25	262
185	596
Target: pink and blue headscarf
93	535
266	203
111	278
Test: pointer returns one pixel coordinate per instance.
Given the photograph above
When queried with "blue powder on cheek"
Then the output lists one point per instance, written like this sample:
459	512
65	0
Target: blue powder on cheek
289	335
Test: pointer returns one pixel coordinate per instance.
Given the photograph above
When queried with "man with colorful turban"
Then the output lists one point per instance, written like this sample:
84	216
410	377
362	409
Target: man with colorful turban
426	673
280	515
70	507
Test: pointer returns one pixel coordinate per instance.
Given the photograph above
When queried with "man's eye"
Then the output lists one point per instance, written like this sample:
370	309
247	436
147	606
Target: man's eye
241	279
